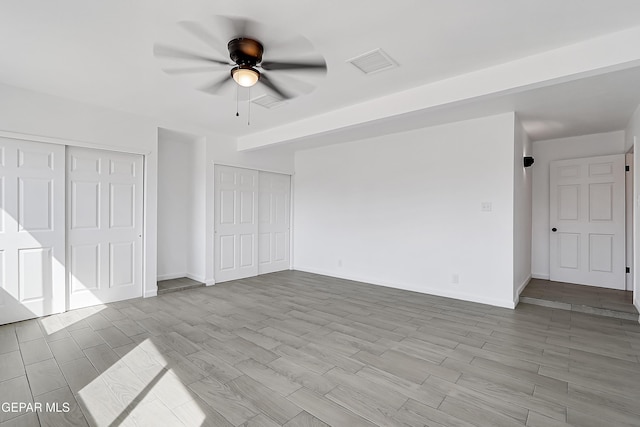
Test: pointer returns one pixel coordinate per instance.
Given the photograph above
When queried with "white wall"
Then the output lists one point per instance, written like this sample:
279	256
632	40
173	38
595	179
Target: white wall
175	157
632	137
522	196
558	149
42	117
197	213
404	210
181	205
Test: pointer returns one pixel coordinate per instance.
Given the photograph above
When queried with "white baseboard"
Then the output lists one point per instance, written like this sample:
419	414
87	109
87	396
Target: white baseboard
209	282
410	287
540	276
516	298
151	293
180	276
194	277
171	276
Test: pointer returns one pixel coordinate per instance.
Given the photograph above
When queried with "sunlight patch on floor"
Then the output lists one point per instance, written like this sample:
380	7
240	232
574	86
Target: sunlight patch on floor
140	388
57	322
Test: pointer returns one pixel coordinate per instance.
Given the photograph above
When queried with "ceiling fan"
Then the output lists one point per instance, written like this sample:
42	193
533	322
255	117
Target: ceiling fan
246	66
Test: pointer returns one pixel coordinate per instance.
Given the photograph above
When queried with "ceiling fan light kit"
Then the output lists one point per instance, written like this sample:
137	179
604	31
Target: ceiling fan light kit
245	76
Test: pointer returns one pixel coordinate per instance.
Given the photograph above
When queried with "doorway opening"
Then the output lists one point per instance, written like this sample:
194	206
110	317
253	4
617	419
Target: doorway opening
590	240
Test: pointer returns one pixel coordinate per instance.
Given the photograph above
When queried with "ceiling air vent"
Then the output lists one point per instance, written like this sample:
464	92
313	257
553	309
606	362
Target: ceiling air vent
372	62
268	101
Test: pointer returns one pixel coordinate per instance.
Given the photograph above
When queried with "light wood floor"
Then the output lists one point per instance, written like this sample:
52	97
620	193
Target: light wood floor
299	349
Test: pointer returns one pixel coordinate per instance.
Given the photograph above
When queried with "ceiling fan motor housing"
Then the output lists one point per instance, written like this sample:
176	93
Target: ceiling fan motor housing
245	51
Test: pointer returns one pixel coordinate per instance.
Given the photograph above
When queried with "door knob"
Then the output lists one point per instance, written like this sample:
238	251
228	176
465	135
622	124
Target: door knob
554	229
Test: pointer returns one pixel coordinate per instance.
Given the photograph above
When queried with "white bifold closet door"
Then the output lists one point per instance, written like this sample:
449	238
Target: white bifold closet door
32	229
251	222
236	223
274	222
105	214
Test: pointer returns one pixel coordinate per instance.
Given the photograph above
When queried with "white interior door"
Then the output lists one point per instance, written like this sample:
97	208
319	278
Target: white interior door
236	224
104	226
32	230
274	222
587	219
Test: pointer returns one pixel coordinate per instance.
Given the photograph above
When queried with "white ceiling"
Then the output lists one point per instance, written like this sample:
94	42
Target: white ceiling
101	53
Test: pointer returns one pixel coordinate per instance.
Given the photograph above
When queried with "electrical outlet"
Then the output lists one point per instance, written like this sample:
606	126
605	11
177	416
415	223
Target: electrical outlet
339	263
455	279
485	207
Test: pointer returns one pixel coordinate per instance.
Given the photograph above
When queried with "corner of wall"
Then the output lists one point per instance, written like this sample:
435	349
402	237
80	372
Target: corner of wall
171	276
519	289
197	278
522	210
150	206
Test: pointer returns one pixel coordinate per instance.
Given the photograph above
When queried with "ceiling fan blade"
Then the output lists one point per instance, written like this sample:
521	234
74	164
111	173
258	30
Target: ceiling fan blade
291	44
298	85
195	70
237	26
197	30
274	87
277	65
165	51
215	87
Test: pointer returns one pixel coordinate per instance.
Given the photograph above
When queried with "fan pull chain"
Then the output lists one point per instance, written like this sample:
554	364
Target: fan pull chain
249	114
237	101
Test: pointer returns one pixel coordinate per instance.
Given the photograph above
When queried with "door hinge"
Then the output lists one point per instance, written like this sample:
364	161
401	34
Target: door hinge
626	168
628	270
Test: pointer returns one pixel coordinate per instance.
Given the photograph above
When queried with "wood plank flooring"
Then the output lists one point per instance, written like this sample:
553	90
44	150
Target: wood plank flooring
581	298
175	285
298	349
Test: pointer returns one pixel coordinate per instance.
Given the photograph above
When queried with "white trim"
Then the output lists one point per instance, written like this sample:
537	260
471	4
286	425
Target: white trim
181	275
628	218
209	282
67	230
71	142
199	279
636	211
170	276
463	296
540	276
152	289
233	165
291	219
516	298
